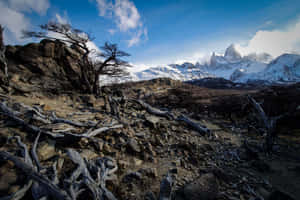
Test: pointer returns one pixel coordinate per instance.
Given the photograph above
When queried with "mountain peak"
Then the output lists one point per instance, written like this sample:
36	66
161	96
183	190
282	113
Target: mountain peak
231	53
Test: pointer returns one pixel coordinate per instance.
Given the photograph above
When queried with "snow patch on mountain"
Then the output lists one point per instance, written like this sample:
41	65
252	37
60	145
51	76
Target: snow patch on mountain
231	66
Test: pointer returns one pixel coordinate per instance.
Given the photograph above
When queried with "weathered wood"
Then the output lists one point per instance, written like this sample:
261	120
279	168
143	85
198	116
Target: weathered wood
55	119
166	188
100	130
97	187
20	193
12	115
34	152
201	129
268	122
155	111
52	189
3	61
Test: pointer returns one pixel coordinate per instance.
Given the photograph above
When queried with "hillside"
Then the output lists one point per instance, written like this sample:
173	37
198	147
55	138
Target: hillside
156	139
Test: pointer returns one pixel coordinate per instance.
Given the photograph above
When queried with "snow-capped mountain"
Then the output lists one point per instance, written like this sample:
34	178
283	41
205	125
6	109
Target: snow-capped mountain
184	72
231	66
285	68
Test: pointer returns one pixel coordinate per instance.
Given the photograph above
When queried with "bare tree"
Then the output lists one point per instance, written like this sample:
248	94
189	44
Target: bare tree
110	62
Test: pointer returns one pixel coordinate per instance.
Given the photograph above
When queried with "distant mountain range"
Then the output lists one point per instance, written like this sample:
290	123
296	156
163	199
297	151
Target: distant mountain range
261	68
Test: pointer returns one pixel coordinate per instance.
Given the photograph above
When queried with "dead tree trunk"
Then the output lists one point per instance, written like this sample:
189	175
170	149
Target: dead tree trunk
3	62
269	124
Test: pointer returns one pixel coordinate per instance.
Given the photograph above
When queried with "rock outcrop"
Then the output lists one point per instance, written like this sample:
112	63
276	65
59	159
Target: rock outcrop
48	66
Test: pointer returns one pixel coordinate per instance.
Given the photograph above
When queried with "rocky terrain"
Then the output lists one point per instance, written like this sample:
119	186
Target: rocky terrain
157	139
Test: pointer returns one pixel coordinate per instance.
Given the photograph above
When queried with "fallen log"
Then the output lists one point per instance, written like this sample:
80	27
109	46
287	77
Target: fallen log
201	129
155	111
54	119
100	130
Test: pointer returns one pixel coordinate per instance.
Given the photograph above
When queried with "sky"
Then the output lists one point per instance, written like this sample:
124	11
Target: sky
158	32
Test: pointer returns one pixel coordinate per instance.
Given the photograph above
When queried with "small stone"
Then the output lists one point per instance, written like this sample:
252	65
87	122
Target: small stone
137	162
122	140
88	154
141	134
100	145
107	148
83	142
46	150
132	176
60	163
173	128
47	107
176	163
149	172
123	164
152	120
133	146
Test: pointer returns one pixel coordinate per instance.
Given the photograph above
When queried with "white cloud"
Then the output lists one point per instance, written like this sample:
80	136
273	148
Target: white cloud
105	7
39	6
112	31
126	17
200	57
138	36
13	19
274	42
62	19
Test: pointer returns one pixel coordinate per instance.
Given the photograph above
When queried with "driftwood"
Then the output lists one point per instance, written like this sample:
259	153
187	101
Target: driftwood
2	53
268	122
81	179
201	129
29	169
114	107
166	188
36	113
155	111
101	167
54	119
100	130
13	116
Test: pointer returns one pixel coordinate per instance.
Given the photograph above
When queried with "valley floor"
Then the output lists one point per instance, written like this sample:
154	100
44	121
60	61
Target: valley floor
229	163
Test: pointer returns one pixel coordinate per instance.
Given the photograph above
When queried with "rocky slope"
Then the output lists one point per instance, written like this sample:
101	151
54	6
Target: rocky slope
141	140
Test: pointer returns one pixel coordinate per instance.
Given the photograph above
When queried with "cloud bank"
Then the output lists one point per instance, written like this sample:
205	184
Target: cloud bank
13	19
126	17
274	42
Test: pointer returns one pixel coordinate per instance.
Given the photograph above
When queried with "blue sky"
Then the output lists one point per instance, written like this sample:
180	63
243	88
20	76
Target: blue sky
166	31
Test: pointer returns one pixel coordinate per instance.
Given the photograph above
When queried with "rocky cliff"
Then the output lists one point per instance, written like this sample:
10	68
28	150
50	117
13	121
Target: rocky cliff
43	67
